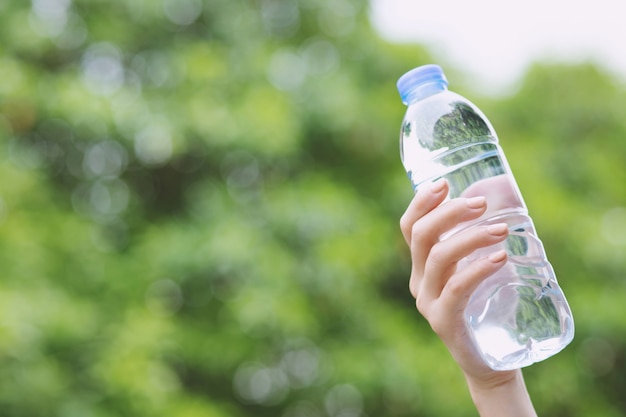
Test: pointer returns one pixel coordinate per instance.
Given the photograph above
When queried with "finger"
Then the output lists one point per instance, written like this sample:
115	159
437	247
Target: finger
444	256
445	314
426	199
427	231
461	286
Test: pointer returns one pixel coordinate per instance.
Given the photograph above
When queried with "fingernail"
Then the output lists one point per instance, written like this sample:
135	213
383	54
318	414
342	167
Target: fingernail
498	229
437	186
498	256
475	202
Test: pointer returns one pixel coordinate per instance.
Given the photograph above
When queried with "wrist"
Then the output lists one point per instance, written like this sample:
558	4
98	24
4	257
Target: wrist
501	394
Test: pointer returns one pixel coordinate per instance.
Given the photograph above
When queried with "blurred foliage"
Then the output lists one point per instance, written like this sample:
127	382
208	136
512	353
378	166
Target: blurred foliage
199	206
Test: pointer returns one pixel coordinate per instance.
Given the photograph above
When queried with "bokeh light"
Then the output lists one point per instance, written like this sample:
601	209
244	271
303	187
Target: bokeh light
103	70
199	206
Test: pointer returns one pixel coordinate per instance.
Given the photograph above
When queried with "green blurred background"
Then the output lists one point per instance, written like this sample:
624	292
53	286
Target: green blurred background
199	205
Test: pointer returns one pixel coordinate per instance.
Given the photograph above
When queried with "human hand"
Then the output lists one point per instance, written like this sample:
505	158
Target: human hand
442	290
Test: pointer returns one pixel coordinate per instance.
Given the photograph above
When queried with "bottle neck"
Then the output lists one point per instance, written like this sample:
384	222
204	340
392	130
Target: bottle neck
422	91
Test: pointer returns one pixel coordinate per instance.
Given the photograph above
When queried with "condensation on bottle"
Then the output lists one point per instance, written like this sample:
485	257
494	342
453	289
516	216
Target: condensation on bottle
519	315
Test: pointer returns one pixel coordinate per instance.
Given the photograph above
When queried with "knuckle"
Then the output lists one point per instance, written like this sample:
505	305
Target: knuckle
413	289
405	222
456	288
416	232
414	282
438	255
421	306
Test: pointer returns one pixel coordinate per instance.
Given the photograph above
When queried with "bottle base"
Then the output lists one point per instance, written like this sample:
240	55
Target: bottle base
518	327
519	315
534	352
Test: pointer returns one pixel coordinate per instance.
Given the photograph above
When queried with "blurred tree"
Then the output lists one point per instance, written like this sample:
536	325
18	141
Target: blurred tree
199	204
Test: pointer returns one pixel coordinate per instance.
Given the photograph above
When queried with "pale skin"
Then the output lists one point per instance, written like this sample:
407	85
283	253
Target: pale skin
442	292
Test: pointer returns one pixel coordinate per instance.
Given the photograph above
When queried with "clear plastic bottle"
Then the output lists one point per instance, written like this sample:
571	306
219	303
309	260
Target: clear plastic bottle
519	315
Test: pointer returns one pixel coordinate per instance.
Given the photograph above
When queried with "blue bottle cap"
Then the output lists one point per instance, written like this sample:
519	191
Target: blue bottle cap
426	74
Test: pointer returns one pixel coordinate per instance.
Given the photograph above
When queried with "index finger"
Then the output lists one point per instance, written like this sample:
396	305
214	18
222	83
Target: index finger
426	199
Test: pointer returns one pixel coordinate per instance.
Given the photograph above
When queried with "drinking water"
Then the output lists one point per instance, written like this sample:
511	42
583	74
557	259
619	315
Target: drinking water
518	315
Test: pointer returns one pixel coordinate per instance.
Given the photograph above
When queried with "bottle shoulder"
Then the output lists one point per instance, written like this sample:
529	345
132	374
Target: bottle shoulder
445	119
441	102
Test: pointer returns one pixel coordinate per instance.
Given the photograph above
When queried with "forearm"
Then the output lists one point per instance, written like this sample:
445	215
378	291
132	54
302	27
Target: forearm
506	398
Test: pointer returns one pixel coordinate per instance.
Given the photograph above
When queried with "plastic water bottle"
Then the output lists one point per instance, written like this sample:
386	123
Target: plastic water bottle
519	315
